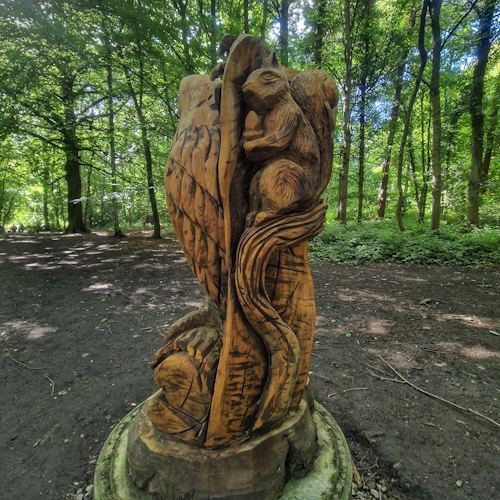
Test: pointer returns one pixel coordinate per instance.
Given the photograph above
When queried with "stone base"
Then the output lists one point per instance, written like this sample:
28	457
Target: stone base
229	473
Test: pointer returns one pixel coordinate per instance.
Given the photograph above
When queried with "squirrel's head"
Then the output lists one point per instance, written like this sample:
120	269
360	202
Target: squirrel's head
265	86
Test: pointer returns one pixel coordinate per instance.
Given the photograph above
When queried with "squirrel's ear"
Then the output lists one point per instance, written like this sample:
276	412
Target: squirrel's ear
271	61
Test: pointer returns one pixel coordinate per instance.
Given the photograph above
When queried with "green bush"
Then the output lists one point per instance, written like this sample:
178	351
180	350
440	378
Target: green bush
382	241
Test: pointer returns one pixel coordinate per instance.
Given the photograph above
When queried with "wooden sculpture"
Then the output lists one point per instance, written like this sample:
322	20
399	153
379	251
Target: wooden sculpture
250	159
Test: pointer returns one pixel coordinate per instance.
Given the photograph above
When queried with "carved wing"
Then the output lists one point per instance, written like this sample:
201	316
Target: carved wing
192	185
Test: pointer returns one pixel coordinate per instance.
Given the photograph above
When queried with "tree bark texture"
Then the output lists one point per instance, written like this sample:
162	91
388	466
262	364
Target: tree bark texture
284	32
409	110
476	111
396	101
72	166
346	113
264	21
435	11
147	153
112	152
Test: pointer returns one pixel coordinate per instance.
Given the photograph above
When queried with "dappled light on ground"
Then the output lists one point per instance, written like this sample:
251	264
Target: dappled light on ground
475	352
90	311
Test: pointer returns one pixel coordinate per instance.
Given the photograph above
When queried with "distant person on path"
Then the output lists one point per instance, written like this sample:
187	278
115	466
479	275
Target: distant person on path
13	228
21	228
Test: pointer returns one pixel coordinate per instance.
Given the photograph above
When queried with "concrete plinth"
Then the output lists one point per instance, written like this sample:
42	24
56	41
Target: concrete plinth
329	477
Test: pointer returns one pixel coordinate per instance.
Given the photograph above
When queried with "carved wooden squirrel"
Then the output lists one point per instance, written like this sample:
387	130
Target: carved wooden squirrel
279	138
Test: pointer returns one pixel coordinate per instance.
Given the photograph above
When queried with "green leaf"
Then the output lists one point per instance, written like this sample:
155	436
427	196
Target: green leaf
494	333
348	334
103	320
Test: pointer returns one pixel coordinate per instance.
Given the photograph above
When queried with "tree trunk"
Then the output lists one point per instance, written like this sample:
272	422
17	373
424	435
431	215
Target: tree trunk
46	181
213	34
426	169
86	213
490	139
147	154
396	101
112	153
245	17
319	29
361	158
413	169
72	166
476	110
365	36
384	180
284	32
435	11
346	112
409	110
264	21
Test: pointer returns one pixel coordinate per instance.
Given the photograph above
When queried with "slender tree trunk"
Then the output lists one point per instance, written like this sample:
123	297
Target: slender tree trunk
396	101
319	29
86	213
147	154
426	167
112	152
409	110
384	180
490	138
284	32
435	11
413	169
46	181
72	166
452	129
213	34
56	208
245	17
346	112
264	21
476	111
361	158
365	71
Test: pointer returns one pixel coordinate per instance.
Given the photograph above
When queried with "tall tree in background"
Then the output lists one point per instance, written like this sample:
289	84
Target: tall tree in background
476	109
396	102
346	114
435	12
406	127
284	11
365	71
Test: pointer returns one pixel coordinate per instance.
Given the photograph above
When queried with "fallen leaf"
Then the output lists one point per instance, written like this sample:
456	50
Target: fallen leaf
425	301
441	364
347	334
85	354
494	333
103	320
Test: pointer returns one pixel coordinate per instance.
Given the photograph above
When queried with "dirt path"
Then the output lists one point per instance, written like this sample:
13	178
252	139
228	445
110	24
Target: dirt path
88	312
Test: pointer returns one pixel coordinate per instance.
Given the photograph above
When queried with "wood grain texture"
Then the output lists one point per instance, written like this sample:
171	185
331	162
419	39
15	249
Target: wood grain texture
249	162
173	470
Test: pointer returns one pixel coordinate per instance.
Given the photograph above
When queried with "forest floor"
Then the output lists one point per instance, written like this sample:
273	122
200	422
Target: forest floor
81	316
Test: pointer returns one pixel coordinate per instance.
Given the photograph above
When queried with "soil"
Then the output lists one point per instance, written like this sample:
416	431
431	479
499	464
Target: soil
81	316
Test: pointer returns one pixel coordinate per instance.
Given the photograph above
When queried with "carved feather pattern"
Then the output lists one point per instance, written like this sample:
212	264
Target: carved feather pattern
192	185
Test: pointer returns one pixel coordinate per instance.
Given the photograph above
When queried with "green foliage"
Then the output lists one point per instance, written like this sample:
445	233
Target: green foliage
382	241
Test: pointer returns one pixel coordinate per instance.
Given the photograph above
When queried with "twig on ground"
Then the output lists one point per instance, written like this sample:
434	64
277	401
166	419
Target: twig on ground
423	391
372	467
386	378
355	473
356	389
51	383
25	366
377	369
109	329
